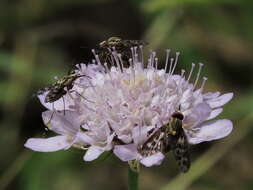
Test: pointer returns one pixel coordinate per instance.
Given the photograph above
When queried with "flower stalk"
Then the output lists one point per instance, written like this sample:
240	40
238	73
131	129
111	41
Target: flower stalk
133	175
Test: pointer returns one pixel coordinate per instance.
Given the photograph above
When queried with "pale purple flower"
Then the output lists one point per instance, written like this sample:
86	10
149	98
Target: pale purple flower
118	108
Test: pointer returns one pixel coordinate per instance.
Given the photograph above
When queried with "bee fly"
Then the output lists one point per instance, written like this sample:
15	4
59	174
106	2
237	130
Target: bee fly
170	137
121	46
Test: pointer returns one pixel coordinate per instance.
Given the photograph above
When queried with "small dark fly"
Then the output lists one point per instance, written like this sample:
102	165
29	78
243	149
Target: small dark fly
170	137
59	88
123	47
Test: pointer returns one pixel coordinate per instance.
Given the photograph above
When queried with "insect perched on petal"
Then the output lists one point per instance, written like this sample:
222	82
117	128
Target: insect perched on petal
59	88
170	137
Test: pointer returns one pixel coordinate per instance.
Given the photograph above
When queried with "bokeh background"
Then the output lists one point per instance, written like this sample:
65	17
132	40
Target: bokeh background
42	39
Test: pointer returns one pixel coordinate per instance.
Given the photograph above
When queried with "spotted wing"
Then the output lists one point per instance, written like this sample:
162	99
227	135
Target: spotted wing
180	150
154	144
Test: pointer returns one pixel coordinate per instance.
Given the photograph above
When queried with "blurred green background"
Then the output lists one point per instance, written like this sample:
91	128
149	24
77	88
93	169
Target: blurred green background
42	39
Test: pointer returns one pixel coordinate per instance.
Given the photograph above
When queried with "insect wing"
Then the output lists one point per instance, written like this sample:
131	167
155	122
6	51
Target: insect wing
180	150
154	144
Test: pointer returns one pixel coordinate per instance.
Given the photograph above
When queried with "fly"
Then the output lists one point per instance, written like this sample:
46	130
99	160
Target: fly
123	47
170	137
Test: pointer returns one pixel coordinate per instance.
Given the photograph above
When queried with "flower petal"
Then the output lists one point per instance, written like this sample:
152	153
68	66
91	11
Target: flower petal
211	95
211	130
155	159
65	123
60	104
140	134
221	100
126	152
47	144
215	113
92	153
199	114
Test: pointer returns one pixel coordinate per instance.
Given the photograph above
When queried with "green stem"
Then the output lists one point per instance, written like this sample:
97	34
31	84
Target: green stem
132	179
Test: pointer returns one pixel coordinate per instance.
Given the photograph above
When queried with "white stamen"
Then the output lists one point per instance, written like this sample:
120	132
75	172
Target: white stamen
156	63
203	83
167	59
132	69
132	52
121	61
114	53
135	54
171	63
198	74
93	51
192	68
176	60
142	59
106	68
111	60
98	60
131	62
153	58
96	57
149	62
150	59
182	73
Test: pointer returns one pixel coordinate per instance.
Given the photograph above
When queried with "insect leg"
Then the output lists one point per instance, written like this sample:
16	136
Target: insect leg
51	117
63	105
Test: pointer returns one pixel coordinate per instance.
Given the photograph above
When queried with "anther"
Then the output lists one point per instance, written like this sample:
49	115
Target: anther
182	73
203	83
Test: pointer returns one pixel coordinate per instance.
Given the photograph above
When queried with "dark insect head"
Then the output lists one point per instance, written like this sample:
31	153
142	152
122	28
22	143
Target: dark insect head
178	115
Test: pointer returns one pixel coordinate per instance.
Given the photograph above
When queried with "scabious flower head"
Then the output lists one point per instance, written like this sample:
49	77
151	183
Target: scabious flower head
118	109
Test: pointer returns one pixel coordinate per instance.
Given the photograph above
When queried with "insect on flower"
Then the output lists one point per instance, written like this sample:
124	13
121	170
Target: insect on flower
126	49
139	112
58	89
170	136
